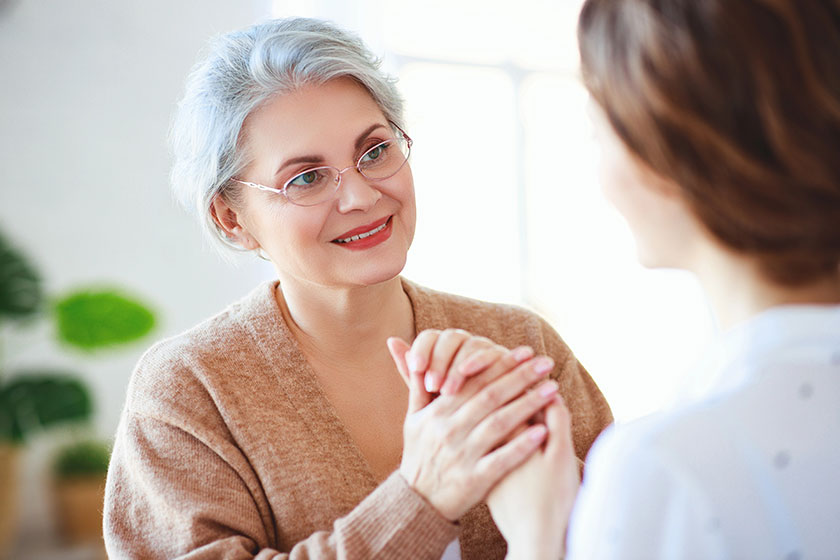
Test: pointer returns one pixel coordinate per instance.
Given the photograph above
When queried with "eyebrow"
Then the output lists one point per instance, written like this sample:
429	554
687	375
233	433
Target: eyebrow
360	139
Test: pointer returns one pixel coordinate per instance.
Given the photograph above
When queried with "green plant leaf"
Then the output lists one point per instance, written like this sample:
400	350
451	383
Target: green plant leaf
90	320
20	284
38	399
83	458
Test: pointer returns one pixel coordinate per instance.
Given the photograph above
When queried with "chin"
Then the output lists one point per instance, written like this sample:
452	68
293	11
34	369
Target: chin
646	261
376	271
656	260
384	274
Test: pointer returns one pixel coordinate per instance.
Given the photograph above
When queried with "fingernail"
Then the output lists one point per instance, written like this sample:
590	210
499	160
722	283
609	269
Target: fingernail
543	364
523	353
466	367
537	433
431	382
548	389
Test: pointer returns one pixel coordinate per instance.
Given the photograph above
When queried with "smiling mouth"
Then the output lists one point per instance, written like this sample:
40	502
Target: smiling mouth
363	235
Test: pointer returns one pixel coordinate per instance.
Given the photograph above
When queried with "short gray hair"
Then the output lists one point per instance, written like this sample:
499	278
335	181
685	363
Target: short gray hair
241	71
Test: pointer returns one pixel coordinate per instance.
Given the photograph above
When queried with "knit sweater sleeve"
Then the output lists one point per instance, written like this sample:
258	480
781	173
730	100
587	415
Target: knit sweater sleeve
180	486
170	495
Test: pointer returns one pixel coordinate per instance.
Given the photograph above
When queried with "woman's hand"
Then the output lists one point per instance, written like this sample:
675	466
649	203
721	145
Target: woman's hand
447	358
457	447
532	505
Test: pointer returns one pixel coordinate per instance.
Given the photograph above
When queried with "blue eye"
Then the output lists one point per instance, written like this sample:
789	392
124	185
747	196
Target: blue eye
306	178
375	153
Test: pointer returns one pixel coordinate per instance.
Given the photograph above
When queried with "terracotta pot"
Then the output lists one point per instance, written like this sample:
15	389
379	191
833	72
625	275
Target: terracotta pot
79	502
9	489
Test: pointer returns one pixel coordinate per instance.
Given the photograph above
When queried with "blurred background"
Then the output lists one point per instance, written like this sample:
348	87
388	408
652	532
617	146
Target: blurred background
88	91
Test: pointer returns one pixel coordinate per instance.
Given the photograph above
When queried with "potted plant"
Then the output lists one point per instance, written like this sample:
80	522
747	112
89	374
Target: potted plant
79	471
34	399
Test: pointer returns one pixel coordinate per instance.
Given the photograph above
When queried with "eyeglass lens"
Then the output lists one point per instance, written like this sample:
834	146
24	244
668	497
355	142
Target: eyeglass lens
316	185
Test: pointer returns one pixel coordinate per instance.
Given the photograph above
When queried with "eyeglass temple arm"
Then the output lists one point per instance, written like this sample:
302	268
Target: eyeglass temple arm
258	186
406	136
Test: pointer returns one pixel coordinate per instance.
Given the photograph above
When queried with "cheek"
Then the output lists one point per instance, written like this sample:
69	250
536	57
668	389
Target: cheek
403	192
616	186
282	227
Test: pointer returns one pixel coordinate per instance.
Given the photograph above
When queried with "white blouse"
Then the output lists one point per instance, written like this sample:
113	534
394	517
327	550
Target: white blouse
750	470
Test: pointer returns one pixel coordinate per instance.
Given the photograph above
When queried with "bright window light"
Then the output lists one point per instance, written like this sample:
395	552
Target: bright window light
505	170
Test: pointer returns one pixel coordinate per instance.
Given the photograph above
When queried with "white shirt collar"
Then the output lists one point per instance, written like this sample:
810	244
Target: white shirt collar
739	353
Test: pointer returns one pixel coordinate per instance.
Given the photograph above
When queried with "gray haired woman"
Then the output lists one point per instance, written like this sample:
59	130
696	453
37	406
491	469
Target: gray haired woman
281	427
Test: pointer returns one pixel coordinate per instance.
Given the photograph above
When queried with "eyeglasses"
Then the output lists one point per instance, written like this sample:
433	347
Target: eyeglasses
319	184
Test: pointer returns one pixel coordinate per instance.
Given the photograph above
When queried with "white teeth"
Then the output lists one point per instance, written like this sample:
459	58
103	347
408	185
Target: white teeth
363	235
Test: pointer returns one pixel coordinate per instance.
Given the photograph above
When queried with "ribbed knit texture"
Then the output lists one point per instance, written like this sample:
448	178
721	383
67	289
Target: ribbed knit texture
228	447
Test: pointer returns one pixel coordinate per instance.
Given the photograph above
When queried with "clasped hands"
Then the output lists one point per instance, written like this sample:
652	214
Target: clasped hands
484	423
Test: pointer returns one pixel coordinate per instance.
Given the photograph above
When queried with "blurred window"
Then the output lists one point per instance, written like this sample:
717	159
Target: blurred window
518	217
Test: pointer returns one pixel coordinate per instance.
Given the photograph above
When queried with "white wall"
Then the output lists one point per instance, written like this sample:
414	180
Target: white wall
87	92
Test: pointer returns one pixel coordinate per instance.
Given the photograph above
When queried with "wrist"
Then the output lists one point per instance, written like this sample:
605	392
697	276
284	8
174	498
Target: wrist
530	553
535	549
429	498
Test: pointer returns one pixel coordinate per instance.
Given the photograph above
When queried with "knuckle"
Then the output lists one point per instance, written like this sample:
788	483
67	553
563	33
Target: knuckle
496	463
453	336
483	470
491	396
427	335
455	377
478	342
508	356
445	433
498	424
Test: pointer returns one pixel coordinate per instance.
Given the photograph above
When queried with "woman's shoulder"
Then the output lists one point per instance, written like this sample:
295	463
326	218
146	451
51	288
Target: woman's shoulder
229	327
185	363
504	323
686	441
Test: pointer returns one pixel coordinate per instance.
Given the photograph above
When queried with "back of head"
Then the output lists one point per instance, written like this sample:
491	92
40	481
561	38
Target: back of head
738	103
241	71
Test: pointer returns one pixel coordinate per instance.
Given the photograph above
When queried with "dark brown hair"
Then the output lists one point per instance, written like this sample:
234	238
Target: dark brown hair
738	103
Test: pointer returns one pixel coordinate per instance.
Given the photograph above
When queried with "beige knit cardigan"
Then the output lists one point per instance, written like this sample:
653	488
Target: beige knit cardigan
228	448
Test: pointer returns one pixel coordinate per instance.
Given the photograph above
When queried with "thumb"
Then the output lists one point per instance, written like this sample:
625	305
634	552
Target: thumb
558	420
417	395
398	348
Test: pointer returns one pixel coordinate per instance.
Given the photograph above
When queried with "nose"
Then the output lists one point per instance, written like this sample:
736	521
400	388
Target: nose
355	191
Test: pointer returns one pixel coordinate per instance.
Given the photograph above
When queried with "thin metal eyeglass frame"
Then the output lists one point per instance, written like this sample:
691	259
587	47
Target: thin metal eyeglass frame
357	167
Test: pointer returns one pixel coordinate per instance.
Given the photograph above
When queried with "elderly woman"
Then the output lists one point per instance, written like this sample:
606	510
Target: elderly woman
720	123
278	428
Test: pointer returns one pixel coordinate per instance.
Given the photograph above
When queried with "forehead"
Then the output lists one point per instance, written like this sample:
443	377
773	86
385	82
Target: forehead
311	119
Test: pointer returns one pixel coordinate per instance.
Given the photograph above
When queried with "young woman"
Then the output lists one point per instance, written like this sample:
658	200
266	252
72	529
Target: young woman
720	123
278	428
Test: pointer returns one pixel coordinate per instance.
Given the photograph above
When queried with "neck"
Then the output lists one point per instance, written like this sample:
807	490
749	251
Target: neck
738	290
347	325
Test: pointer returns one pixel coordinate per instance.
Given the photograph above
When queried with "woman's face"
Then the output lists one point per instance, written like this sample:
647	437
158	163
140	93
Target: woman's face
331	124
665	231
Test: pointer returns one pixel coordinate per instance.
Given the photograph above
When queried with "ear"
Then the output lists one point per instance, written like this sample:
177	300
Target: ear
229	221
